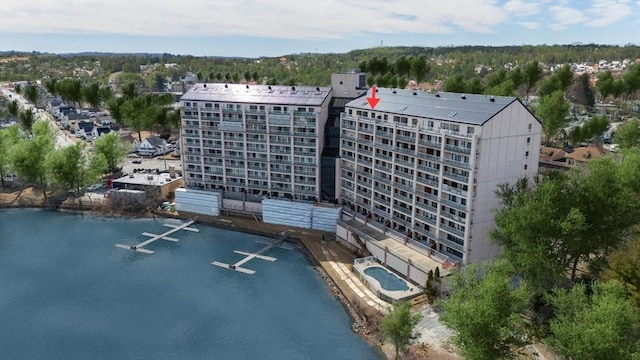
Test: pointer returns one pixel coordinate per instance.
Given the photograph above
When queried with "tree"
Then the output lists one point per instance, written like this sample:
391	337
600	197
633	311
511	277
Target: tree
531	73
8	138
628	135
27	118
605	85
455	84
399	325
13	107
567	219
485	311
50	85
72	169
581	92
624	266
112	148
552	111
32	94
602	326
129	91
17	88
420	68
91	94
28	156
403	66
70	90
632	80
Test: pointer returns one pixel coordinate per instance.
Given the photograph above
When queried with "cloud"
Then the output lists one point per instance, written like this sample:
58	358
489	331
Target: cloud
608	12
529	25
292	19
522	8
564	16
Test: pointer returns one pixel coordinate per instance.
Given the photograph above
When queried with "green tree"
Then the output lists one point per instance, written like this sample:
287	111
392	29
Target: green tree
8	138
532	73
17	88
72	169
32	94
624	266
552	111
399	325
28	156
516	77
632	80
628	135
403	66
112	148
602	326
91	94
567	219
27	118
474	86
485	310
605	85
13	107
50	85
70	90
455	84
581	92
420	68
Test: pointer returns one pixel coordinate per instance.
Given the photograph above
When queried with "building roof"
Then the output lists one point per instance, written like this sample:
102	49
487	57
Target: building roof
146	179
463	108
155	141
552	154
582	154
258	94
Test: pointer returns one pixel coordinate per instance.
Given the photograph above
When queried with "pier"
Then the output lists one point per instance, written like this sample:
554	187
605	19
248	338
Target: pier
153	237
256	255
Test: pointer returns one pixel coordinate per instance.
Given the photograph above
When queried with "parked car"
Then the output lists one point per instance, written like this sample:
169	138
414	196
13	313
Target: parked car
137	161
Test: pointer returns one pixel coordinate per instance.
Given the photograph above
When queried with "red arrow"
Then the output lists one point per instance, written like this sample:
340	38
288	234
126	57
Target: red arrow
373	100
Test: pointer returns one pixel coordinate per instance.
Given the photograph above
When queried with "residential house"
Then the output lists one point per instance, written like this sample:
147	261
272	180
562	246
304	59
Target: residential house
130	139
85	128
154	145
99	131
580	156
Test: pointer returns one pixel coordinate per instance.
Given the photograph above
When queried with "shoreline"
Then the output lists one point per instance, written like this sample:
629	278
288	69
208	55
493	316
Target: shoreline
360	323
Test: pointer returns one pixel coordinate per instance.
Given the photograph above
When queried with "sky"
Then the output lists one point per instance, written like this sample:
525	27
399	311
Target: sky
256	28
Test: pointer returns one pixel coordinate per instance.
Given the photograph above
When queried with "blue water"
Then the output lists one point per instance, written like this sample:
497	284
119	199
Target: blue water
387	280
67	293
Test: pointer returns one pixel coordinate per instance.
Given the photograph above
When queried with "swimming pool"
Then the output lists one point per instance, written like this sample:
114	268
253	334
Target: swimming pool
386	284
388	280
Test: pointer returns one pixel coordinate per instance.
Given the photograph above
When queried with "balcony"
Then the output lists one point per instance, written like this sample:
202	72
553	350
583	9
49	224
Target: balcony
429	157
384	134
406	163
348	125
457	163
381	200
429	143
452	230
348	186
403	198
453	217
214	171
405	151
426	195
427	220
387	169
257	176
384	157
365	130
451	244
381	212
305	134
397	219
456	177
382	190
407	139
458	149
425	232
433	184
363	193
453	204
404	186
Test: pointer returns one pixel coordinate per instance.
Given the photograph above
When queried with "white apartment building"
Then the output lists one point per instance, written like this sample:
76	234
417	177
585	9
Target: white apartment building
248	142
427	165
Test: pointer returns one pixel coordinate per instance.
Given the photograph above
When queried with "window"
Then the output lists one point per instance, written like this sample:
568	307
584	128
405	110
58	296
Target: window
526	154
525	166
530	126
469	129
430	123
528	140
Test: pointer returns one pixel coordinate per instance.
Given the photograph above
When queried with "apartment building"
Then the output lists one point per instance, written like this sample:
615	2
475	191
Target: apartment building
427	165
248	142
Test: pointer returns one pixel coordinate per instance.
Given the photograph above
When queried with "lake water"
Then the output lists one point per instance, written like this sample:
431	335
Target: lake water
66	292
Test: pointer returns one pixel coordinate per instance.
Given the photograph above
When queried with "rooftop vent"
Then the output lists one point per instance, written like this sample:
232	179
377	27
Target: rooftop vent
293	88
393	91
317	89
247	87
377	90
226	86
205	85
269	87
492	99
463	97
438	95
415	93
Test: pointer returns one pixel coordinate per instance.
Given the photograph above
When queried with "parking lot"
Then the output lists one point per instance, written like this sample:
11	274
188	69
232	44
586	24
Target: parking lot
150	164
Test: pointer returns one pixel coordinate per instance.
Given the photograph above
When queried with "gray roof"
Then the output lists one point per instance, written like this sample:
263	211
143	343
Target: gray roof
155	140
258	94
463	108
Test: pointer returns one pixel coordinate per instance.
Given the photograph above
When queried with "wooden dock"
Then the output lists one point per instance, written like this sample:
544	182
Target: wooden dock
153	237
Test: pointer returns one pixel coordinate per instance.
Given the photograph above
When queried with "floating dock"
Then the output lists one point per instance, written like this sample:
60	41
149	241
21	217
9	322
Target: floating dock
256	255
153	237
